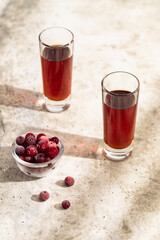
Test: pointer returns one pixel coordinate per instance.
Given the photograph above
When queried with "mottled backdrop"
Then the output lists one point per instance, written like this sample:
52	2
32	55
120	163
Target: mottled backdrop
109	201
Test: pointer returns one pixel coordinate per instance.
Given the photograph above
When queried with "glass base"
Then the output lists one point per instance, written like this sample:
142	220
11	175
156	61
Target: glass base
117	154
57	106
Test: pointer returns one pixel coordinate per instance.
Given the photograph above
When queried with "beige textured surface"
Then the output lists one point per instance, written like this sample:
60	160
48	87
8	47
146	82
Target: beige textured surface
109	201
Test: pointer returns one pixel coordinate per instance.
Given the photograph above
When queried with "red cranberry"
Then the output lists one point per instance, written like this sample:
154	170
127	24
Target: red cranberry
28	159
44	138
66	204
37	149
31	150
51	144
54	139
69	181
48	159
29	135
30	139
39	135
42	145
20	150
20	140
22	157
44	195
52	151
40	158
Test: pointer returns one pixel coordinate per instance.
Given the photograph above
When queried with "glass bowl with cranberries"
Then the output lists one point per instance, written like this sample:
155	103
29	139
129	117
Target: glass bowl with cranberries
37	155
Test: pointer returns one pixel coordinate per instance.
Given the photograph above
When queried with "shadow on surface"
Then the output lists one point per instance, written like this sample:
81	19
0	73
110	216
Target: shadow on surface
58	206
35	198
145	195
16	97
75	146
9	171
61	183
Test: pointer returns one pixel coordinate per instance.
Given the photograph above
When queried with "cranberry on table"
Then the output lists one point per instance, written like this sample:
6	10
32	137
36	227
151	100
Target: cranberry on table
69	181
44	195
31	150
66	204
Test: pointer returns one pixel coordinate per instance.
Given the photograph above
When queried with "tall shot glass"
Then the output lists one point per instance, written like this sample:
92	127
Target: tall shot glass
56	51
120	91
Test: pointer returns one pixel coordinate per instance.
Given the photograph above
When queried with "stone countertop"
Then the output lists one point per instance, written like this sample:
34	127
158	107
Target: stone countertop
109	200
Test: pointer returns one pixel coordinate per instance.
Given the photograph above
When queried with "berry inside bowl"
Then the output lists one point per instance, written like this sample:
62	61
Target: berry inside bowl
37	155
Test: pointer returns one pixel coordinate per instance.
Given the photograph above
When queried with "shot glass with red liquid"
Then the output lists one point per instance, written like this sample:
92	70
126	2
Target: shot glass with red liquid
56	52
120	91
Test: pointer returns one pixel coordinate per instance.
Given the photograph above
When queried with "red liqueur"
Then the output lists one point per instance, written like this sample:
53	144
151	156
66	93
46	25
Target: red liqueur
119	116
57	72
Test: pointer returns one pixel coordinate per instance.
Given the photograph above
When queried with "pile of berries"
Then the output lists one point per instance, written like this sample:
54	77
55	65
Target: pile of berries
36	149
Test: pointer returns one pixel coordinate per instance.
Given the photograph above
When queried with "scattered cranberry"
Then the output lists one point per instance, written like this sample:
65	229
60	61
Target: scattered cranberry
30	139
39	135
44	195
28	159
42	145
20	140
66	204
20	150
31	150
44	138
54	139
40	158
69	181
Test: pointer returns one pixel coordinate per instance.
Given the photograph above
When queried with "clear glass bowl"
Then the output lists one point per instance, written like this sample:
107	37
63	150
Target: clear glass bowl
37	170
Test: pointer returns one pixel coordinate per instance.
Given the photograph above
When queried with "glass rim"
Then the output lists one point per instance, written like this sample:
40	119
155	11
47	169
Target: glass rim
116	94
58	27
